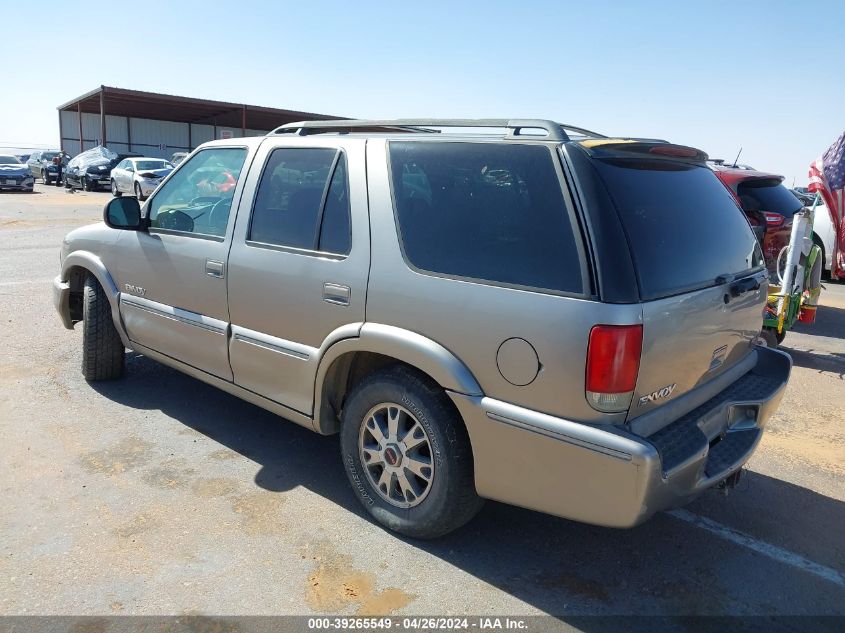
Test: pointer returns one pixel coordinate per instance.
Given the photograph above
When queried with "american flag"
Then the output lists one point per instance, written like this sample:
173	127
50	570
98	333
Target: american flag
827	177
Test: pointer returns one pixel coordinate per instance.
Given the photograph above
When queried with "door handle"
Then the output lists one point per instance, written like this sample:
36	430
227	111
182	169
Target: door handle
336	294
213	268
745	285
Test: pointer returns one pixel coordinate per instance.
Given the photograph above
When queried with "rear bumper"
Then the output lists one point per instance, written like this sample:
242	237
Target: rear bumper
607	475
61	301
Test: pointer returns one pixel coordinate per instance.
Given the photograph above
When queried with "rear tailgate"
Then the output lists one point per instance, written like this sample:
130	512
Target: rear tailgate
690	339
698	264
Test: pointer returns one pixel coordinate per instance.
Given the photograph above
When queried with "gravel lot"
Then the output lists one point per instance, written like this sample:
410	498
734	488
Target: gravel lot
157	494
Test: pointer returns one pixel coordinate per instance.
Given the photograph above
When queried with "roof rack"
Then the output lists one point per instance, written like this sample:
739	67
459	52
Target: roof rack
516	127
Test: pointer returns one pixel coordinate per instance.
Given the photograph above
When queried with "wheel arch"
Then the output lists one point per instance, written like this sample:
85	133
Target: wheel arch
348	361
75	267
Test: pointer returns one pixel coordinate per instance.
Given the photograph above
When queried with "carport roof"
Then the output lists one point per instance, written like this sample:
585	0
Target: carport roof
162	107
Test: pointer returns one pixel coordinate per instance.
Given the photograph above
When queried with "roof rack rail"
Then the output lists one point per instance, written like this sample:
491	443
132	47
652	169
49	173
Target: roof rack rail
516	127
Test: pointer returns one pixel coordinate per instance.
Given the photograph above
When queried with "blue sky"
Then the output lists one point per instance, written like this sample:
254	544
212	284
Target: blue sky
765	76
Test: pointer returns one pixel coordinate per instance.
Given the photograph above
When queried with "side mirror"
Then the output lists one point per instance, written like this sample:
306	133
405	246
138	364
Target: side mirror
125	214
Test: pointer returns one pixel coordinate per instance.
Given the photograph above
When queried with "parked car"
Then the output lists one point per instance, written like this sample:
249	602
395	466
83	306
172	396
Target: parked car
23	157
768	205
91	169
178	157
41	165
139	176
806	199
565	325
14	175
824	235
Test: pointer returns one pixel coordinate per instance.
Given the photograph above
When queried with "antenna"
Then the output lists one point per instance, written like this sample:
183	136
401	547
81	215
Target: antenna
737	156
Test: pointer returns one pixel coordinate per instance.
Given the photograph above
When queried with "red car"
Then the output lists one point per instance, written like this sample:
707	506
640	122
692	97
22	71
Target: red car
768	205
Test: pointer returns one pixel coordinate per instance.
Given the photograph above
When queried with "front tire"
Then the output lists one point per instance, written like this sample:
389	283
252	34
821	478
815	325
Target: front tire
102	350
114	190
87	185
407	454
45	177
138	193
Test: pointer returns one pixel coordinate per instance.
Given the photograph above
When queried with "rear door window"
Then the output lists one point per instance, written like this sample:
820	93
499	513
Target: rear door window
684	228
485	211
768	195
303	202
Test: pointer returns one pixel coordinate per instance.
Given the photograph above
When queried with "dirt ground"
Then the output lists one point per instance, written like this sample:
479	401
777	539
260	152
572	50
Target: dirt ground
157	494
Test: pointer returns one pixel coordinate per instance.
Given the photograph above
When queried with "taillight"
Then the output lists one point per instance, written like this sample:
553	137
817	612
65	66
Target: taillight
613	360
773	219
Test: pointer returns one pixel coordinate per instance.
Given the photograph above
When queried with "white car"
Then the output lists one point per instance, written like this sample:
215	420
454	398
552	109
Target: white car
823	234
139	176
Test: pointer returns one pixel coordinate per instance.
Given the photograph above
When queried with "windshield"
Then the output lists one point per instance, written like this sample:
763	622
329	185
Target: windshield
144	165
48	155
768	195
683	226
9	160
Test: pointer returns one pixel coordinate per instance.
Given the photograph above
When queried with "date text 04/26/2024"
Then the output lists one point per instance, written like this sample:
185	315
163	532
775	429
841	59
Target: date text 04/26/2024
418	624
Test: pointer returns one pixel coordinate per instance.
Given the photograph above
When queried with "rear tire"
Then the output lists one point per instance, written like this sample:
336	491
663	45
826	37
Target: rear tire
102	350
769	337
444	501
45	177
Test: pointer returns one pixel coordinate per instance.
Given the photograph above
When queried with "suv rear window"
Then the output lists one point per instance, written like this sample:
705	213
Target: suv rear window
488	211
768	195
684	228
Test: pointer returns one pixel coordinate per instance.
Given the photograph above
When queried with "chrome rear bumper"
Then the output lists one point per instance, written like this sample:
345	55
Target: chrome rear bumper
608	475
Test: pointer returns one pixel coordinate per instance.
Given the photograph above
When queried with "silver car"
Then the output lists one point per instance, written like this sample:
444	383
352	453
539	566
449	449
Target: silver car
511	310
139	176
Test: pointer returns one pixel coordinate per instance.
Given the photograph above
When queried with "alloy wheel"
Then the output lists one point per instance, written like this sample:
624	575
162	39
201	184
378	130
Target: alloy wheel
395	450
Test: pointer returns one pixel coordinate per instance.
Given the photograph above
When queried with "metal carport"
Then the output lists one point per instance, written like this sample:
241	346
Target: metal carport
133	121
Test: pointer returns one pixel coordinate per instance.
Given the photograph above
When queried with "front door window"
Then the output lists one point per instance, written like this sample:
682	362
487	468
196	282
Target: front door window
198	197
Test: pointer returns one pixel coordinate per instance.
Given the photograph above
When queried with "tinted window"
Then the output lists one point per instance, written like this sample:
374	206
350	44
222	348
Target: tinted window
486	211
302	201
198	198
683	226
335	232
767	195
